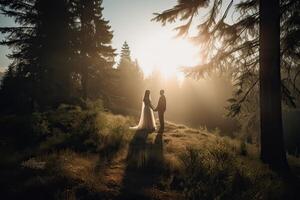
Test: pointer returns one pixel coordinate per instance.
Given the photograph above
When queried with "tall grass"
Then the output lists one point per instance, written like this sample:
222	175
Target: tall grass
216	172
35	159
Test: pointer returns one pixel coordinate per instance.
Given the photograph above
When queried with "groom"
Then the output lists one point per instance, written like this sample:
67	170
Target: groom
161	108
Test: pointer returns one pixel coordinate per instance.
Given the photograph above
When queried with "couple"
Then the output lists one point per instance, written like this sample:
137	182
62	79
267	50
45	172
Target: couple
147	120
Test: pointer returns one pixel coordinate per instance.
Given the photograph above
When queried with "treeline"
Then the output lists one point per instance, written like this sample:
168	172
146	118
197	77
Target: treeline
61	53
261	50
197	103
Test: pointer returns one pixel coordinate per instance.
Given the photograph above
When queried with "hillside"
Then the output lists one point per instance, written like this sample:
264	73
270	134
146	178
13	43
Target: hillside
150	167
182	163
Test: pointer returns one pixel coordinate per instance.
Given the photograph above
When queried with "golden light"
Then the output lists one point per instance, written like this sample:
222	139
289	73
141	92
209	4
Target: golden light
166	53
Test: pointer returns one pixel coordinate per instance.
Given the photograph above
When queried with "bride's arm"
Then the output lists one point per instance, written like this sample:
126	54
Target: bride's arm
148	103
151	106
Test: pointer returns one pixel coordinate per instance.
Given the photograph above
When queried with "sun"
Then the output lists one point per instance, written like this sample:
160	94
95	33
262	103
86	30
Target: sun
166	53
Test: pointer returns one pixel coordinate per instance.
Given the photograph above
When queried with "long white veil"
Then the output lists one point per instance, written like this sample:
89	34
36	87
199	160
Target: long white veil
141	122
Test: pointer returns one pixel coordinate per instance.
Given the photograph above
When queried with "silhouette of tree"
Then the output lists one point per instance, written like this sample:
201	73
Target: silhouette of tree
40	73
95	53
235	45
130	80
125	53
59	47
272	145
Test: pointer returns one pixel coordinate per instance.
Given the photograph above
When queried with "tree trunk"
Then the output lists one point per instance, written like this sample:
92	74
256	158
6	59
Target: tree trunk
272	144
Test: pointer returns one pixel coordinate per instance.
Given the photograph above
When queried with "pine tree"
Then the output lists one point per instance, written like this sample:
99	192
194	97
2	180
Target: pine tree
235	46
59	46
125	53
125	62
96	55
40	72
54	34
272	144
130	79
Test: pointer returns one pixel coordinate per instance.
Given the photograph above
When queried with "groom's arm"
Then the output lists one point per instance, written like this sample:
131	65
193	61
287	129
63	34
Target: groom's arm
154	109
158	104
151	106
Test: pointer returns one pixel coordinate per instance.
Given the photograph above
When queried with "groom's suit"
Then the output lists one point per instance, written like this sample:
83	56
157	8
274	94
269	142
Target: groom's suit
161	109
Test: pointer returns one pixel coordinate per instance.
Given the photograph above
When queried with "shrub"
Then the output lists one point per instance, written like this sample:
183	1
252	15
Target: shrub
67	127
73	128
215	172
30	164
112	143
114	134
91	130
243	148
23	131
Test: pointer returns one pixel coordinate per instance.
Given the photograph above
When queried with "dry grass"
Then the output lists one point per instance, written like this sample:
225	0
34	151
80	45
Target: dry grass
145	165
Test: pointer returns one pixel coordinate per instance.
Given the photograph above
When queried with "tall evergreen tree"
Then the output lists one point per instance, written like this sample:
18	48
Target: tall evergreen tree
96	55
272	145
235	45
58	46
125	53
130	79
40	72
56	51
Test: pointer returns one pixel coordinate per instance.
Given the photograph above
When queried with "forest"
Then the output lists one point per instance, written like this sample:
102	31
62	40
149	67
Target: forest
74	107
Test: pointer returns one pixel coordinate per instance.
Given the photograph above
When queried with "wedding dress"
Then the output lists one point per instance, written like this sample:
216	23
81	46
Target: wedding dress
147	120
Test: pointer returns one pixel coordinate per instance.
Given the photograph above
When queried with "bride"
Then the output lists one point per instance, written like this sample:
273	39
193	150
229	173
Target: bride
147	120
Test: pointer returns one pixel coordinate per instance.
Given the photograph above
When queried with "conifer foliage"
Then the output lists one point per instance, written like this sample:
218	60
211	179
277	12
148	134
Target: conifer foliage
39	48
94	48
130	80
234	43
60	49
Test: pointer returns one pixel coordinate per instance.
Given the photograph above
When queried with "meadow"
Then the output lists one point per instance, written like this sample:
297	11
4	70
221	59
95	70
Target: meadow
89	153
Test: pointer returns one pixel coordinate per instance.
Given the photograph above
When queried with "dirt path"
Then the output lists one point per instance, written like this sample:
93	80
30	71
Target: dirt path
139	171
112	175
136	173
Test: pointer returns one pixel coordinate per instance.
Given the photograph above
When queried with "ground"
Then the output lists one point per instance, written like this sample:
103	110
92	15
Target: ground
121	177
137	171
83	154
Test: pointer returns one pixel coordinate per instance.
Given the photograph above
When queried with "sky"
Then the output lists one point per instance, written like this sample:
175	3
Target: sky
4	62
153	45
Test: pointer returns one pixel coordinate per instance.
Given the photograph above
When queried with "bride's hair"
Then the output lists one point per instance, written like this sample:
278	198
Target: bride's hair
147	95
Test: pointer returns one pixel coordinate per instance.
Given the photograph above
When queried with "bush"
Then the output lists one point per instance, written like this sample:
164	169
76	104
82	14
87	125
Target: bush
68	127
216	172
23	131
31	165
72	128
114	134
243	148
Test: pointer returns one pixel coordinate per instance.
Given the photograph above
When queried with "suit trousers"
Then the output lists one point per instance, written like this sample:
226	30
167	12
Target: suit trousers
161	121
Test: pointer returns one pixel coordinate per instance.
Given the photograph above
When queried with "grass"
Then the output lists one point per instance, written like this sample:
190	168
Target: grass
203	165
88	153
59	154
216	172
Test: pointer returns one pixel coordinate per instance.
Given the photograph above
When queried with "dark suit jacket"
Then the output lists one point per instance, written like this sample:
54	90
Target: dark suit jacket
162	104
